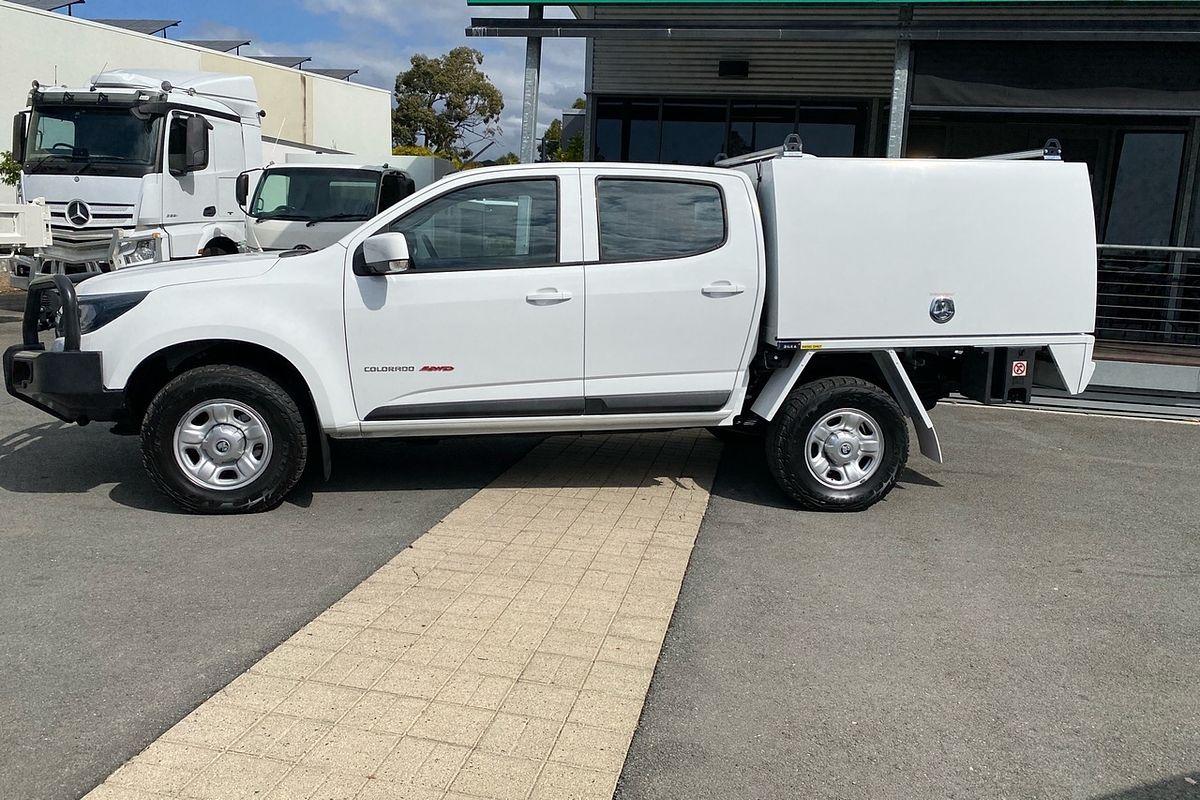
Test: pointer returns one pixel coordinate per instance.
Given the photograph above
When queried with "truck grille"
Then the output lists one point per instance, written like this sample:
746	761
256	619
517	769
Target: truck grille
104	218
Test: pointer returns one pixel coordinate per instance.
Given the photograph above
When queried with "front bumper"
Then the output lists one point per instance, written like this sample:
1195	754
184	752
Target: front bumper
67	384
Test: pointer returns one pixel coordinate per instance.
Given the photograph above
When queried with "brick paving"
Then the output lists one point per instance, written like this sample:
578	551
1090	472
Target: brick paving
505	655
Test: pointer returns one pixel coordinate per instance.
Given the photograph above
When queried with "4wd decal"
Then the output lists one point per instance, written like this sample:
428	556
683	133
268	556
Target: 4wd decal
437	368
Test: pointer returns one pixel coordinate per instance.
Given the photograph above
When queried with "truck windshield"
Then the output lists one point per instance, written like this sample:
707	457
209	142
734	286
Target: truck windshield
316	193
108	141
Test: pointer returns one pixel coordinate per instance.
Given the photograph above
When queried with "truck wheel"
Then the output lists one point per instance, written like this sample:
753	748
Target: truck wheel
837	444
224	440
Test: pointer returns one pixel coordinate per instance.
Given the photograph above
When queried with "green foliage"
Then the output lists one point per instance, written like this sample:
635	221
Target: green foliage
579	103
446	104
552	140
10	169
572	150
412	150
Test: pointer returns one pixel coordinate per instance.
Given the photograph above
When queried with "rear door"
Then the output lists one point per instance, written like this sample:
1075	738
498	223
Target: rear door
488	321
672	290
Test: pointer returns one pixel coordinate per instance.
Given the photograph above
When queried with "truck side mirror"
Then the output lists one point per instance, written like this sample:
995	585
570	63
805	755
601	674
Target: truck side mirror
384	254
243	190
196	136
18	137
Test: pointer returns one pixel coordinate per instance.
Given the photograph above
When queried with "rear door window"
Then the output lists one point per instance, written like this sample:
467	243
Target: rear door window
652	220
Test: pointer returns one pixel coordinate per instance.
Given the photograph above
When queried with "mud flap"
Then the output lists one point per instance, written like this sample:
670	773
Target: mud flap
906	394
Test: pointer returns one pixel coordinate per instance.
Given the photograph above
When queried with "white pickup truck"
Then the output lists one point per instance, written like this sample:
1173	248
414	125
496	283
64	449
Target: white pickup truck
821	302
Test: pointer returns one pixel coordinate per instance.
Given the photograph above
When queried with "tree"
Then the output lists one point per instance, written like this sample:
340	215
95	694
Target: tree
10	169
446	103
552	141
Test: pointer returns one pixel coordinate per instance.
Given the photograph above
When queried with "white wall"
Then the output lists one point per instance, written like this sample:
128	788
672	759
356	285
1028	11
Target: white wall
301	107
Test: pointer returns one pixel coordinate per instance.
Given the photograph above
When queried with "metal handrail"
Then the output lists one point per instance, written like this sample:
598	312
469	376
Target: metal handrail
1148	295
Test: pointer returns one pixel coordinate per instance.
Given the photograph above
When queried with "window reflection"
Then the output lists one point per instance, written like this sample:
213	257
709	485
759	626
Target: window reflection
654	219
494	225
1143	200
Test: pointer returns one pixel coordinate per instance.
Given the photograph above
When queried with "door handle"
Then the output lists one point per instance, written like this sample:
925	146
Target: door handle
722	289
547	297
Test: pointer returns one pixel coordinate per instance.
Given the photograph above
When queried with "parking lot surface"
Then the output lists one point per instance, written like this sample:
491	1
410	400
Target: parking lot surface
1021	622
1017	623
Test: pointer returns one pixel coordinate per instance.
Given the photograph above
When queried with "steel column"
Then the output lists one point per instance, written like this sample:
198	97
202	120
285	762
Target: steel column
899	109
529	104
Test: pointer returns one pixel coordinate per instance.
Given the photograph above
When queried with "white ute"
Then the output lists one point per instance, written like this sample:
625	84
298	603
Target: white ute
820	303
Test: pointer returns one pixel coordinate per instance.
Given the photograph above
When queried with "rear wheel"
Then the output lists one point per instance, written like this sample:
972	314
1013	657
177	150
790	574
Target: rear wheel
837	444
223	440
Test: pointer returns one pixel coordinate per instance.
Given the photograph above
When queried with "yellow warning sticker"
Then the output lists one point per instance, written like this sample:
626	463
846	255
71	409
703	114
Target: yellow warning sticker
811	346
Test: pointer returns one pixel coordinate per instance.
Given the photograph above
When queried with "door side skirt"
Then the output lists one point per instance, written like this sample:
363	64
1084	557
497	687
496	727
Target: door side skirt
670	403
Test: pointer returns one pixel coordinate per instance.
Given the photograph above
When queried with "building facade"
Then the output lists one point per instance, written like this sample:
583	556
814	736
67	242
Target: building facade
1118	84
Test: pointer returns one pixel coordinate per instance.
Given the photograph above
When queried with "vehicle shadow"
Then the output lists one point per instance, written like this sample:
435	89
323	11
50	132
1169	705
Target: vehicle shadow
744	476
59	458
1185	786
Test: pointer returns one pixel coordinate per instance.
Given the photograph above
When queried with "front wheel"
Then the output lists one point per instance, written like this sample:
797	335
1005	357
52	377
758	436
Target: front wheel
223	439
837	444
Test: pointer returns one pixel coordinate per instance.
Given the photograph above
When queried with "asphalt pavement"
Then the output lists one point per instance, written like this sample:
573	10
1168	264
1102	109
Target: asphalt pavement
122	615
1020	622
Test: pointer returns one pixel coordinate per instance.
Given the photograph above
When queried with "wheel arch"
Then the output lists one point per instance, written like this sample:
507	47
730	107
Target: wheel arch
880	367
158	368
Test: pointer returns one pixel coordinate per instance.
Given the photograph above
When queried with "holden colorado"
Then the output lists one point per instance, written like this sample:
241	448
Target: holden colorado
823	304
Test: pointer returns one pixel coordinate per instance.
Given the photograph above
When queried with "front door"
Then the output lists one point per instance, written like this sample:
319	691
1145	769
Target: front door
488	320
672	291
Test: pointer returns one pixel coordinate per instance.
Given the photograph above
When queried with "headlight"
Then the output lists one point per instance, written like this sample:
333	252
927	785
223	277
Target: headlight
135	252
98	310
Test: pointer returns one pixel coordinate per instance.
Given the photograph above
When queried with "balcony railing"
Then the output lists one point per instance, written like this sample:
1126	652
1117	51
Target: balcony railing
1149	296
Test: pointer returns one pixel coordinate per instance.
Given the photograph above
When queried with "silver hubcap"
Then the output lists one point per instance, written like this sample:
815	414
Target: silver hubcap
222	444
844	448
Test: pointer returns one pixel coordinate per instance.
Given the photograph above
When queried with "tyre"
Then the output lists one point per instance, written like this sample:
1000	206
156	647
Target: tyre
224	440
837	444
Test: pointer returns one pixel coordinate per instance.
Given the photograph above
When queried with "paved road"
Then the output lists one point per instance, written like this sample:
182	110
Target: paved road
1021	622
120	616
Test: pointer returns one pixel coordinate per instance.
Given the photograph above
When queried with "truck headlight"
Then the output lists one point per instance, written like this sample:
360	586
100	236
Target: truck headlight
133	252
98	310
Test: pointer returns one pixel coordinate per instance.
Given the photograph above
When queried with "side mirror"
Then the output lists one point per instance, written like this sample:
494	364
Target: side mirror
196	154
385	254
243	190
18	137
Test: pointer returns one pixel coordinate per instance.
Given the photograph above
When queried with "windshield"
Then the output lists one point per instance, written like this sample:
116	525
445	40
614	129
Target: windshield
349	195
73	139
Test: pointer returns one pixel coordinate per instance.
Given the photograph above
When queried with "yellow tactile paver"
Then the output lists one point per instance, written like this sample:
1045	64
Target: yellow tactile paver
505	655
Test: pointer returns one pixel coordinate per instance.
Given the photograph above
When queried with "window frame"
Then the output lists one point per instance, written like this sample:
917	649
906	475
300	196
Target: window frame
600	259
558	232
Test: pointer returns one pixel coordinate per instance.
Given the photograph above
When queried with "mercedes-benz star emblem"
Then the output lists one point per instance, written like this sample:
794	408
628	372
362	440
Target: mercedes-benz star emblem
78	213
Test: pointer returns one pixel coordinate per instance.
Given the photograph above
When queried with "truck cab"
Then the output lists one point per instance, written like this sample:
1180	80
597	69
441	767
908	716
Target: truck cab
310	206
137	167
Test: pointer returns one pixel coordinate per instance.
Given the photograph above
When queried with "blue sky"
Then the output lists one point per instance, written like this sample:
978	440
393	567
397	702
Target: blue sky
376	36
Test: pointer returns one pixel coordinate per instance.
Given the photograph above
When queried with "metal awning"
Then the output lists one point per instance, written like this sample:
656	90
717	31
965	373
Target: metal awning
147	26
293	62
340	74
49	5
841	29
220	45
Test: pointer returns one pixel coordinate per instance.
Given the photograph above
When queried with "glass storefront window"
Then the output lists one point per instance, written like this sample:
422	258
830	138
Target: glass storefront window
826	139
1143	196
692	133
696	131
643	132
759	126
